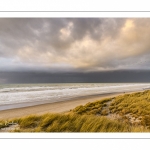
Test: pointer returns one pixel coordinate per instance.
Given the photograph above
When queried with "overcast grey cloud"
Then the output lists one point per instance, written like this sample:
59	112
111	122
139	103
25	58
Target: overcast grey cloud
74	44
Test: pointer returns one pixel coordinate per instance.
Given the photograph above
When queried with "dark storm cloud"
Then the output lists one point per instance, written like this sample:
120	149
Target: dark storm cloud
121	76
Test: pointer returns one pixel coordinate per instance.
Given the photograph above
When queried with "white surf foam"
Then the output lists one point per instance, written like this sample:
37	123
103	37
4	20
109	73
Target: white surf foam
58	92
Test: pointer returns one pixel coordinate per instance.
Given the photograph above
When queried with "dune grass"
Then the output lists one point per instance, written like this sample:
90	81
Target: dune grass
3	124
132	108
136	105
92	108
73	123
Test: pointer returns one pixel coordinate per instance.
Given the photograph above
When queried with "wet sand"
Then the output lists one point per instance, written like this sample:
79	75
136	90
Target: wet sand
57	107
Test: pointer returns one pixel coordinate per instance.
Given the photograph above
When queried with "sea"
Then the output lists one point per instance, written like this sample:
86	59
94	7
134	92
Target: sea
22	95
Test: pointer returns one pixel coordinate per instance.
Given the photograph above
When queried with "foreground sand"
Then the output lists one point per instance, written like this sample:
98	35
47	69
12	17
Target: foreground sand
58	107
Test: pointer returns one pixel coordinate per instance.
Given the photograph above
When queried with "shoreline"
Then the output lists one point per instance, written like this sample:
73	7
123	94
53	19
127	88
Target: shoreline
57	107
29	104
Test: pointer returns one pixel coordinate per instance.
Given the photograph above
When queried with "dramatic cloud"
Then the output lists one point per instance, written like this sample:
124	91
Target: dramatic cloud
74	44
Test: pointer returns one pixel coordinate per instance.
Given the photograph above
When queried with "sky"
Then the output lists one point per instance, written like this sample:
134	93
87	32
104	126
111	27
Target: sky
58	46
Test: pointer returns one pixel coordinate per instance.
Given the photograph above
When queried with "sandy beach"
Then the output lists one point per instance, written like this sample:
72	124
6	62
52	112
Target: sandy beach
57	107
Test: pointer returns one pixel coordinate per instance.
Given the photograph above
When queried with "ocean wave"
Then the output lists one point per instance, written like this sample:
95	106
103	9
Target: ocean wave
19	94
